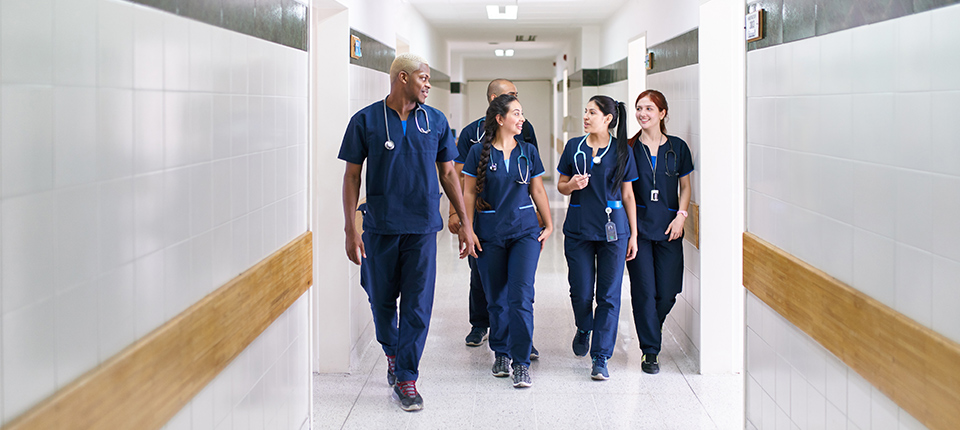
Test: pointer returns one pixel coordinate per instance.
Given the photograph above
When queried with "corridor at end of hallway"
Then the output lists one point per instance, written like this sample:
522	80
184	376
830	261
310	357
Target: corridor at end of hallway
460	393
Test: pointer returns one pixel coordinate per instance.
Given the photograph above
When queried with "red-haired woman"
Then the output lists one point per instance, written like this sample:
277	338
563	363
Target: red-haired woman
663	194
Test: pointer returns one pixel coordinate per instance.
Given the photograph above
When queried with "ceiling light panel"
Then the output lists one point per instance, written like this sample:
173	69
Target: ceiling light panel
501	12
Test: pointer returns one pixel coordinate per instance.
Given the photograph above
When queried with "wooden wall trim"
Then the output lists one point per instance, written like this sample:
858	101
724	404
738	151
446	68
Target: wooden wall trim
691	227
916	367
146	384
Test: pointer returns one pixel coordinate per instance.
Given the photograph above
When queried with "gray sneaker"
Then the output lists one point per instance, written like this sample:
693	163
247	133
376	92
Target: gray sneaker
521	376
501	366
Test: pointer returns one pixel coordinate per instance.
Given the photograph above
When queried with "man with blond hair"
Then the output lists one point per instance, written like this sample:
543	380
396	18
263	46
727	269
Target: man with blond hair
404	143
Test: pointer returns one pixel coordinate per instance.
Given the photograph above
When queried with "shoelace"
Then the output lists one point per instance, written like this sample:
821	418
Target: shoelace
601	361
521	372
391	363
502	361
408	388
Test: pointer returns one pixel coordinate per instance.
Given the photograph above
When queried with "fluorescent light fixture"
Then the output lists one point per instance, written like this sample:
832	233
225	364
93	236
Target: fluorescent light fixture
501	12
499	52
509	52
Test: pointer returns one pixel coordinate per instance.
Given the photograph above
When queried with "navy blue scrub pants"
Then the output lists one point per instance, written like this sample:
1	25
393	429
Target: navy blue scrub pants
597	263
656	277
508	270
478	299
401	267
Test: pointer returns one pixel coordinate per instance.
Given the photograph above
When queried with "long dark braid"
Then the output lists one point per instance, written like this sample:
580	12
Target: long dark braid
498	107
609	106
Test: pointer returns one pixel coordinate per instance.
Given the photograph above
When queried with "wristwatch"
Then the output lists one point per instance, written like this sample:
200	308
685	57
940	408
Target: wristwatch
684	213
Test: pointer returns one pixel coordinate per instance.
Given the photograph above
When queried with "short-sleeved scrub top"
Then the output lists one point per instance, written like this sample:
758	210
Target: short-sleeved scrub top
403	194
586	217
512	212
671	162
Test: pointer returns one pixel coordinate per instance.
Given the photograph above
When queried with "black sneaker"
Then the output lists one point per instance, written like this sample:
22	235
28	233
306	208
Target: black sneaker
650	364
581	343
501	366
477	336
410	399
600	372
391	369
521	376
534	354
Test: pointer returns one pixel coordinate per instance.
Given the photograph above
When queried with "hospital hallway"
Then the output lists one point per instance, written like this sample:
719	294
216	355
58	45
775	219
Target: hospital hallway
178	219
460	392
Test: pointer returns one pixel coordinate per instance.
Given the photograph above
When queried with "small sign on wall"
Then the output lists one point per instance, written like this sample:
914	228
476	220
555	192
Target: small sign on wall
355	51
754	24
648	61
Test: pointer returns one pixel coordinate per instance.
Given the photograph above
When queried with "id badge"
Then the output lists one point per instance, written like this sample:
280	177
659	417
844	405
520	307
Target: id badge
654	195
611	231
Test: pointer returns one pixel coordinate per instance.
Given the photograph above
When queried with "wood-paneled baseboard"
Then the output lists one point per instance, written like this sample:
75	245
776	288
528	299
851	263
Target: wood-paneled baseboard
916	367
146	384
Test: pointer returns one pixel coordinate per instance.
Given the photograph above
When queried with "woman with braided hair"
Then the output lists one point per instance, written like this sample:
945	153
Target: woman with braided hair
502	176
600	229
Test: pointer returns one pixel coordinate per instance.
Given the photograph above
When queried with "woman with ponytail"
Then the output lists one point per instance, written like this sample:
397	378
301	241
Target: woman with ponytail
600	229
502	184
656	275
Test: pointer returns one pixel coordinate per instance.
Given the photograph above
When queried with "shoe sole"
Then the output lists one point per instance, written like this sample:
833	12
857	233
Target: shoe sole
599	377
522	384
412	408
501	374
654	372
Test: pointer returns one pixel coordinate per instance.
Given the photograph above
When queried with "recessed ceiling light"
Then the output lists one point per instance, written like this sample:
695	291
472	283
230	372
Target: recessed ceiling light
499	52
501	12
509	52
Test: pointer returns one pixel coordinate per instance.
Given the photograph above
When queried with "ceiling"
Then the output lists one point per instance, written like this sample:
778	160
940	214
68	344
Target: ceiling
464	24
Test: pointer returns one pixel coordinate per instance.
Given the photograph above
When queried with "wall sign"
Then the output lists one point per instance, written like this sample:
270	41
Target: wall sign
355	51
754	24
648	62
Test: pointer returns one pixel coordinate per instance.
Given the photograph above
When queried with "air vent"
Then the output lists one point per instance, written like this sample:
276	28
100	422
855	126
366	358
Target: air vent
529	38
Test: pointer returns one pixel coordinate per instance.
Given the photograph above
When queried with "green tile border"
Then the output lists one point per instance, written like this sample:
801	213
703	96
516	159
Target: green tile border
791	20
379	56
285	22
682	50
611	73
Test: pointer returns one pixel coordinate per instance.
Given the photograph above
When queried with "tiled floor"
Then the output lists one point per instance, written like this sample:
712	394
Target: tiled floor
460	393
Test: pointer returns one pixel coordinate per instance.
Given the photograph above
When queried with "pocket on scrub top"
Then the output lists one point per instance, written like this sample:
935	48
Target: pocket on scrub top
486	224
528	218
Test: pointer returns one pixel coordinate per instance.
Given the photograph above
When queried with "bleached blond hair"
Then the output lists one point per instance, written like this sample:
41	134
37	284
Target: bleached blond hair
405	62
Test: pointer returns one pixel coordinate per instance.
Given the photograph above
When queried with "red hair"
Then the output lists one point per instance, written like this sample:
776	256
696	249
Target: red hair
661	102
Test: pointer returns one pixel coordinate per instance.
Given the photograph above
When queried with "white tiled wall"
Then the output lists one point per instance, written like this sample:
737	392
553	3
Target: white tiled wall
681	87
852	166
146	160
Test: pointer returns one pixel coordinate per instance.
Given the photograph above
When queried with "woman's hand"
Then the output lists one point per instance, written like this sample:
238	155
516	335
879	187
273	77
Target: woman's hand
675	229
453	223
579	182
632	247
476	245
544	234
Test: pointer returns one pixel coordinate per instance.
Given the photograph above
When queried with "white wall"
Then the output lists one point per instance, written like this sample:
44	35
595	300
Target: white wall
658	19
681	88
146	160
859	194
488	69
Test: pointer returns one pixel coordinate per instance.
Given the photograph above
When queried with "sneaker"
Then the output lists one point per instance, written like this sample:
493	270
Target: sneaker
534	354
391	369
650	364
410	399
521	376
501	366
581	343
599	372
477	336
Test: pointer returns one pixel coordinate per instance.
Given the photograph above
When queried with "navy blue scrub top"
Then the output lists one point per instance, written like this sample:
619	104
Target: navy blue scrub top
653	218
403	194
471	135
511	211
586	216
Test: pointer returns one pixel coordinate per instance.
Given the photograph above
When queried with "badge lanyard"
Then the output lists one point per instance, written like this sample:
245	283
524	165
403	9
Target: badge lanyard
654	193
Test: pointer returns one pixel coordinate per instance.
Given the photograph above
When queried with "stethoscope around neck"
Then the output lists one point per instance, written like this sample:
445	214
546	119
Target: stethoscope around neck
524	180
596	159
386	125
480	132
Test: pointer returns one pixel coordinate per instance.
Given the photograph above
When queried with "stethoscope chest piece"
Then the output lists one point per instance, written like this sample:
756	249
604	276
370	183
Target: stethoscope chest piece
493	167
596	160
389	145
